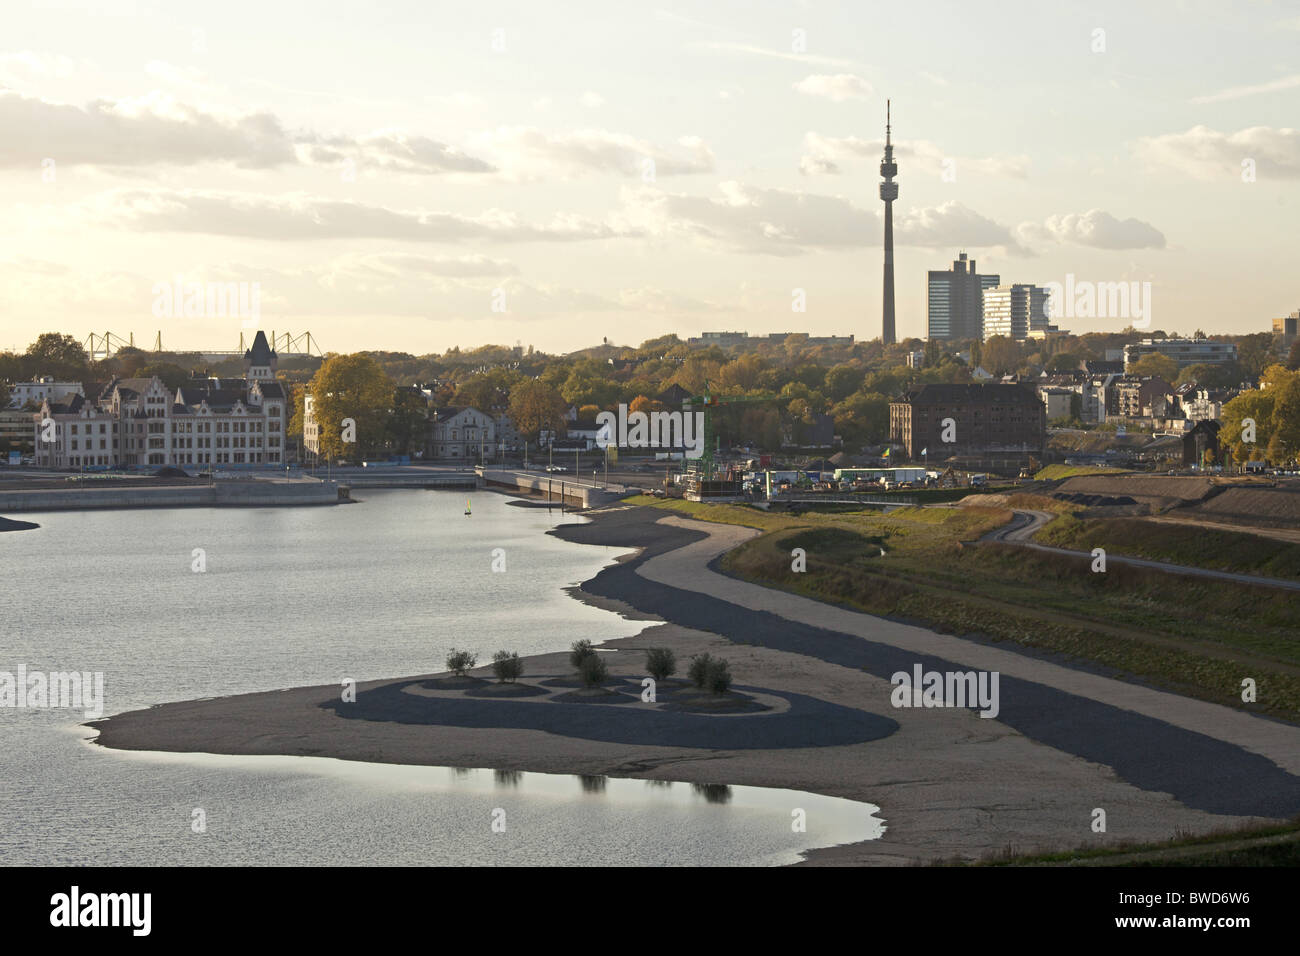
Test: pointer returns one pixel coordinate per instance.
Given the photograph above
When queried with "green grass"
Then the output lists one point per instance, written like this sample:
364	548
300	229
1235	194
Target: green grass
1190	636
1251	845
1053	472
1197	547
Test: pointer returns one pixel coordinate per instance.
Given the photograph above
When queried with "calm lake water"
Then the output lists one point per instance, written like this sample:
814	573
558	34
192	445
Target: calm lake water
300	596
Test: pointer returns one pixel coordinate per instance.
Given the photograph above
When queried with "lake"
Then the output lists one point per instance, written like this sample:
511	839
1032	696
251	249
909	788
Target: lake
303	596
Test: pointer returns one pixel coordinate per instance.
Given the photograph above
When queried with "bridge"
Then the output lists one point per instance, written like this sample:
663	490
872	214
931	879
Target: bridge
103	346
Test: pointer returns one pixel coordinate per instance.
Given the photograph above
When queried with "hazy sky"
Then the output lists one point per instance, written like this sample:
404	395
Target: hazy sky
389	173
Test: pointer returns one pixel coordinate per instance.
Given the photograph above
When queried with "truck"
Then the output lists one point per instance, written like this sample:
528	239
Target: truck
979	481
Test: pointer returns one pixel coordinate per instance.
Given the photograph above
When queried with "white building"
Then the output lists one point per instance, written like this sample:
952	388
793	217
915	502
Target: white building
140	422
41	389
463	433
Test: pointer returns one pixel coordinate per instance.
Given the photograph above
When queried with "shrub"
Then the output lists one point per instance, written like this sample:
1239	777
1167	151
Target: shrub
698	672
592	670
660	663
718	677
507	666
458	662
579	651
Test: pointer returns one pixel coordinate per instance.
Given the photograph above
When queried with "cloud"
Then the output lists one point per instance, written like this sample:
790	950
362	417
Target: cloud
824	155
1096	228
837	88
150	130
934	78
591	100
297	218
1204	153
410	264
785	222
21	68
158	129
525	152
1237	92
662	301
751	50
391	150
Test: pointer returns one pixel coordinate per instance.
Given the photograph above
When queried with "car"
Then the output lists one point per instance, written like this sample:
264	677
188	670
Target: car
556	468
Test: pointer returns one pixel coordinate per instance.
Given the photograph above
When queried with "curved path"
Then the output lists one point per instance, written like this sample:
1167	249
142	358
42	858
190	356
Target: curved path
1208	757
1026	524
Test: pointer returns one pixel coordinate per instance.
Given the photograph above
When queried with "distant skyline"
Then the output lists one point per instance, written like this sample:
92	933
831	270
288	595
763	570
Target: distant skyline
393	178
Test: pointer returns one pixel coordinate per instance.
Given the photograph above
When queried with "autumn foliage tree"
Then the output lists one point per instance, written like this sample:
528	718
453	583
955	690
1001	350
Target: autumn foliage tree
351	387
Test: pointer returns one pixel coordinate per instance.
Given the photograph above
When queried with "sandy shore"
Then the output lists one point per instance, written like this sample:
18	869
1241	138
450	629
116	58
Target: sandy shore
948	782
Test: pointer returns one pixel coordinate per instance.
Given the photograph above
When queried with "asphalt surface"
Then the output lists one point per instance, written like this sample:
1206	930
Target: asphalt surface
1026	524
1201	771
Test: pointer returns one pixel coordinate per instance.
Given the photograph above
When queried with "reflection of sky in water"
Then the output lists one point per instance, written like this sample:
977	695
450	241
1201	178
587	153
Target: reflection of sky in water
550	819
299	596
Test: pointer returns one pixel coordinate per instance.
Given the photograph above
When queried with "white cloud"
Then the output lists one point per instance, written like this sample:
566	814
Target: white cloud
1096	228
788	222
826	154
751	50
1204	153
296	218
1237	92
158	129
837	88
525	152
591	100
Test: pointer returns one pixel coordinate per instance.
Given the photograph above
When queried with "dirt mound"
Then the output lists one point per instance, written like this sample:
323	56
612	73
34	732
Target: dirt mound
1155	490
1257	505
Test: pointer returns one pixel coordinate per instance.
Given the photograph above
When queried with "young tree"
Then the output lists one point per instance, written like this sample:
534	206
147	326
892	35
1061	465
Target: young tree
660	663
507	666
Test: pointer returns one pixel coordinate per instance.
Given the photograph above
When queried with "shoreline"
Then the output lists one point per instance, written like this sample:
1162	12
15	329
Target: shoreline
948	783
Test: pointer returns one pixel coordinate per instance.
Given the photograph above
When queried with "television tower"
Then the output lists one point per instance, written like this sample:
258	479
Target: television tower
888	192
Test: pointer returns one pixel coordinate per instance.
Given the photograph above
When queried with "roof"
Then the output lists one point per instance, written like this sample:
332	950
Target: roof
271	389
261	352
949	394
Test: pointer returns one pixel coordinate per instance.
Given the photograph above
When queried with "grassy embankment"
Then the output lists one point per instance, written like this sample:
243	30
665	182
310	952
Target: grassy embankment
1194	636
1055	472
1270	845
1195	546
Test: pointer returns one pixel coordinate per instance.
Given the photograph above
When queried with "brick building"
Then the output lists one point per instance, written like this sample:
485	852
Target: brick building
988	421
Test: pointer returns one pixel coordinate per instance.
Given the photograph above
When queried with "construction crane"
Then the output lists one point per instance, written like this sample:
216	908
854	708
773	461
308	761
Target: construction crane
704	466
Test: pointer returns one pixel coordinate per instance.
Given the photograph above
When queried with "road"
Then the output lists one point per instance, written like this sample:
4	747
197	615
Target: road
1026	524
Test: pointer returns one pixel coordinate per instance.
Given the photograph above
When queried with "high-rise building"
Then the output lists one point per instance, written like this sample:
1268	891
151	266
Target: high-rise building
888	193
955	301
1016	310
1288	327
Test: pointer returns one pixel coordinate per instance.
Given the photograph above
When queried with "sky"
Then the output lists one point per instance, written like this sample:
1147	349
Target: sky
418	176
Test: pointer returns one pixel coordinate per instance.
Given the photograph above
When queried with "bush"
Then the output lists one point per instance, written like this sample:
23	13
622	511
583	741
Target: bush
579	651
507	666
660	663
718	678
458	662
592	670
698	672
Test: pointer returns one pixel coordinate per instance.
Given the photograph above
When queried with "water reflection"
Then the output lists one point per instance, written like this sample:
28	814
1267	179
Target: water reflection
713	792
508	779
592	783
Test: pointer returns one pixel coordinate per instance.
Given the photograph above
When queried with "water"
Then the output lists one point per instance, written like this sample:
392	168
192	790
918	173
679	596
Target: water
300	596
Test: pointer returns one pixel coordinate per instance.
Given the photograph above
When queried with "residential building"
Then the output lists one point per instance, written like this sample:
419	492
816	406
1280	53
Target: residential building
461	433
955	300
915	359
140	422
1203	438
16	429
1183	351
38	391
1015	310
1146	396
310	427
986	419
